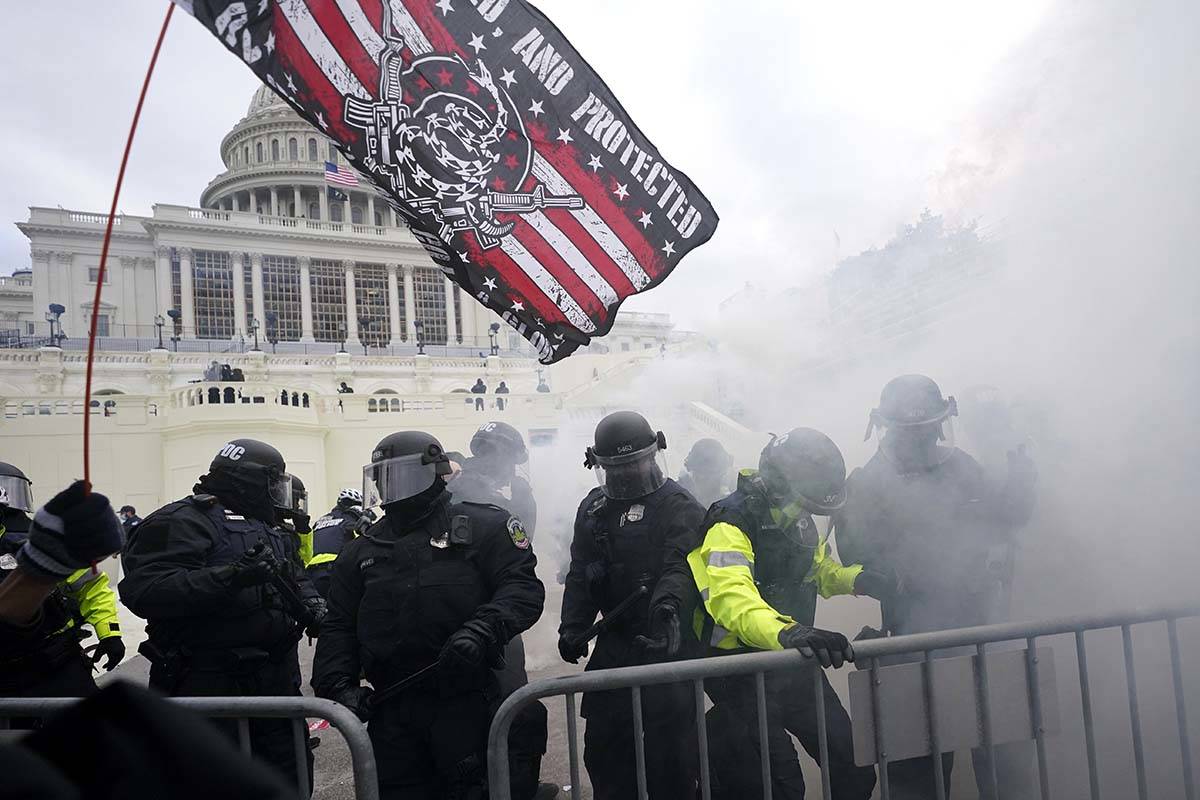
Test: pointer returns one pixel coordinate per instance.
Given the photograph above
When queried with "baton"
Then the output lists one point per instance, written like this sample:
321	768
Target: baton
396	688
608	619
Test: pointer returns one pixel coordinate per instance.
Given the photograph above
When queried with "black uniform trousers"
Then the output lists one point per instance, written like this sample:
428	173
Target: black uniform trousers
432	747
669	730
735	747
271	740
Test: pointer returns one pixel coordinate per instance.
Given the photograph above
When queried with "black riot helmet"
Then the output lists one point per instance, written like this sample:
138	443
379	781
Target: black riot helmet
707	457
299	496
16	491
627	456
911	401
804	466
252	470
499	441
404	465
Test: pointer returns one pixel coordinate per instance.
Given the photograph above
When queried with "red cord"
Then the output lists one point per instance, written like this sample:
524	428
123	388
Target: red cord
87	390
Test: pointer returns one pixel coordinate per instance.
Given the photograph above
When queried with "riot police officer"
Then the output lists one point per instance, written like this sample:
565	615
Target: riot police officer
759	570
491	475
53	664
707	471
432	592
296	520
331	533
920	509
214	576
628	533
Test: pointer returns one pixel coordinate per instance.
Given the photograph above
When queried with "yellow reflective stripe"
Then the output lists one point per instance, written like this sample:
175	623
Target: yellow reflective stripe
322	558
728	558
721	565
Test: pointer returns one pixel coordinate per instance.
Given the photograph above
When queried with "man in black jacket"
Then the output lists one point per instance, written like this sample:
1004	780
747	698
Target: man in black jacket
631	533
203	572
433	584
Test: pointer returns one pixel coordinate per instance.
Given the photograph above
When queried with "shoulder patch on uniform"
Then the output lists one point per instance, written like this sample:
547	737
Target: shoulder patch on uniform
516	532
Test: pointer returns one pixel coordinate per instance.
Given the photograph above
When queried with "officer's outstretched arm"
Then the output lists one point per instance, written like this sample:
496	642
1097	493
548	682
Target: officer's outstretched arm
165	572
336	664
727	560
97	601
683	517
517	595
829	575
579	606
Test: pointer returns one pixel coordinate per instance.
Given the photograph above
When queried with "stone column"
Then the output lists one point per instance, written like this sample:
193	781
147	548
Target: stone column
410	305
256	291
392	216
468	320
275	202
162	280
370	220
451	321
187	294
323	199
238	260
346	214
393	304
351	305
298	202
306	319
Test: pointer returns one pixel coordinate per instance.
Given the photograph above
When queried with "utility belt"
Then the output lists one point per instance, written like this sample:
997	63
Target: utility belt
175	661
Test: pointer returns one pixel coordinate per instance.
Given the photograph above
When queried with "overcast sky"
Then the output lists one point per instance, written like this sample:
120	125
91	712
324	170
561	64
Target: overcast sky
796	119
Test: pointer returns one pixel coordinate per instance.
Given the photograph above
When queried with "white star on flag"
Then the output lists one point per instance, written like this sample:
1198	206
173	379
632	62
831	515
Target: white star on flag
645	220
669	249
321	121
622	191
594	163
490	283
445	6
535	108
564	135
518	306
463	255
270	45
291	84
508	79
477	43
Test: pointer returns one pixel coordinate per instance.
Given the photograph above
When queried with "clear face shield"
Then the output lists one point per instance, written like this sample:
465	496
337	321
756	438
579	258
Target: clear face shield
300	503
397	479
631	475
918	446
16	493
279	487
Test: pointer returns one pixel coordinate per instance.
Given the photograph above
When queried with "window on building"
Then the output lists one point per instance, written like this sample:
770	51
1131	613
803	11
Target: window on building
281	294
624	347
175	285
274	149
335	210
429	297
29	328
332	153
212	280
371	301
293	149
258	152
246	155
247	292
312	149
94	273
378	218
102	321
356	215
314	210
328	282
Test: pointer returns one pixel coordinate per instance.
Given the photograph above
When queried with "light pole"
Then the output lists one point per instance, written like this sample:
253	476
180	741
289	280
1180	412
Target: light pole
419	328
158	323
254	331
272	329
342	338
176	326
493	332
364	324
54	317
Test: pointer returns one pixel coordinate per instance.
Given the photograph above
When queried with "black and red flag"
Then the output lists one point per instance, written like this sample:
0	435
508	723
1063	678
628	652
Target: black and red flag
507	155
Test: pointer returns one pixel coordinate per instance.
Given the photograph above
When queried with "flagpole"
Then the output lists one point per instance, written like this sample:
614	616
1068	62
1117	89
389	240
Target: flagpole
112	213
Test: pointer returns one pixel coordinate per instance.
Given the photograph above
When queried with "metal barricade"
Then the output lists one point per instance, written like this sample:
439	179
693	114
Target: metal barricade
243	709
880	681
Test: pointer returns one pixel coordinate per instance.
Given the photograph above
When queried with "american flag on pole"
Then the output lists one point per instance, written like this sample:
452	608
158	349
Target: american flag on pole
341	177
508	156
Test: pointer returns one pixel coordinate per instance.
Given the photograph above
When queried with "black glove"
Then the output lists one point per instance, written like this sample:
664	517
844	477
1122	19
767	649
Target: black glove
318	608
880	585
302	522
356	698
467	648
254	568
665	635
113	648
72	531
570	648
828	647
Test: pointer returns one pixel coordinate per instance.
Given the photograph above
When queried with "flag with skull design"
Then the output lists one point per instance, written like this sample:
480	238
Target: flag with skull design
507	156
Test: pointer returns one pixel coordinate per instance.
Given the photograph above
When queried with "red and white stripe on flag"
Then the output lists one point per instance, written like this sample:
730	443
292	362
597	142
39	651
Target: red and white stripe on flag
510	159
